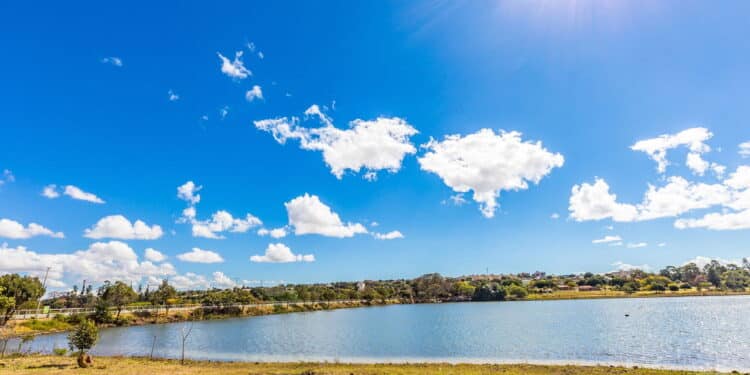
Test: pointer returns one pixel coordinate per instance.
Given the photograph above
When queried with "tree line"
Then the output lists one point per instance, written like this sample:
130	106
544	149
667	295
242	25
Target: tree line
110	298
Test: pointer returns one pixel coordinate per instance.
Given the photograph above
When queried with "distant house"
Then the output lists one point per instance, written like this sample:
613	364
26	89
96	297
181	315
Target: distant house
588	288
361	286
564	287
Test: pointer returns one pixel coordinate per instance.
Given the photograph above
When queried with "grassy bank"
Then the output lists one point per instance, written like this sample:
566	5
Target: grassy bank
140	366
20	328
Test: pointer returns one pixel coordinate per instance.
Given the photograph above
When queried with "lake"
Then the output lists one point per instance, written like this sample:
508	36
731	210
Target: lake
686	332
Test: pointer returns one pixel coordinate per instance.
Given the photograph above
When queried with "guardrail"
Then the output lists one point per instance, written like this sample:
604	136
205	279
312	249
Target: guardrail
34	313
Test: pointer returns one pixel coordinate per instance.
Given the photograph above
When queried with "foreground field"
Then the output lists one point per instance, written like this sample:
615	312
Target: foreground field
140	366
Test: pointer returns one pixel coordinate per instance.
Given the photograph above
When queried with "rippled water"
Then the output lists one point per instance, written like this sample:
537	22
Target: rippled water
690	332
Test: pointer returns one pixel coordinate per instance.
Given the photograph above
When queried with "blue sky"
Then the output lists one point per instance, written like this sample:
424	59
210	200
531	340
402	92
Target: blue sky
587	79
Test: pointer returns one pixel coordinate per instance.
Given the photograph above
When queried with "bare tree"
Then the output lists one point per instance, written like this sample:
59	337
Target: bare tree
185	332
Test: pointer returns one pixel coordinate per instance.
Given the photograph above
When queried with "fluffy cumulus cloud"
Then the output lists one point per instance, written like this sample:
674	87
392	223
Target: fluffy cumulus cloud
255	93
220	221
676	196
189	192
595	202
154	255
197	255
15	230
220	280
280	253
607	239
223	221
487	163
234	68
367	145
118	226
308	215
392	235
656	148
274	233
101	261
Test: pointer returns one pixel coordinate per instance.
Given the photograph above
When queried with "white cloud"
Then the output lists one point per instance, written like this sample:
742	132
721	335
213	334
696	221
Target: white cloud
15	230
101	261
594	202
255	93
607	239
275	233
702	261
50	191
235	68
76	193
118	226
620	266
261	55
554	216
173	97
636	245
154	255
392	235
188	281
188	192
251	46
488	163
696	163
740	178
6	176
222	221
369	145
223	112
679	196
280	253
116	61
200	256
718	221
744	149
662	244
220	280
308	215
657	148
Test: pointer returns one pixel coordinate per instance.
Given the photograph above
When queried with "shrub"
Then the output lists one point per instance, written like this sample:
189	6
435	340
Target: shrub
82	339
60	351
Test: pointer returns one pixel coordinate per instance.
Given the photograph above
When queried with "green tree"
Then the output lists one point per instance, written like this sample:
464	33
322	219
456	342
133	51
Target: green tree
118	295
21	289
164	295
83	339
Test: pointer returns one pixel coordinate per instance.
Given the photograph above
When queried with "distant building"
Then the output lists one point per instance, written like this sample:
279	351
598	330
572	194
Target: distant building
361	286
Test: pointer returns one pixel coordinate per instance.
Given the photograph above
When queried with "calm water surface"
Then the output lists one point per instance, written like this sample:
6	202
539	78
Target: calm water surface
690	332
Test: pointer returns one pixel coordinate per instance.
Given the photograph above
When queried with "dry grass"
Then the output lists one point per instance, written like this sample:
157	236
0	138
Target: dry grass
141	366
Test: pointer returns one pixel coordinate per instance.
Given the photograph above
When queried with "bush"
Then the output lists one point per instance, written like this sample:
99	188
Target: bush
517	292
674	287
60	351
82	339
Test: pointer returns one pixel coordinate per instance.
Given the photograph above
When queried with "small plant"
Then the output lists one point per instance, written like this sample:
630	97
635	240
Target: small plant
83	339
60	351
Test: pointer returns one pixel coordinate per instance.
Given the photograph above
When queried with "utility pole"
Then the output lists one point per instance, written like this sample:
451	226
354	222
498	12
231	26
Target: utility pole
44	286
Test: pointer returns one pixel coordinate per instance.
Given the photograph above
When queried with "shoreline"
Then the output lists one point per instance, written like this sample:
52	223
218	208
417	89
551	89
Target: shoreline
38	364
300	307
